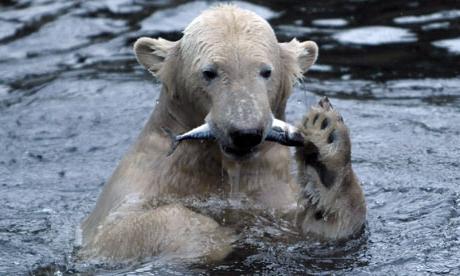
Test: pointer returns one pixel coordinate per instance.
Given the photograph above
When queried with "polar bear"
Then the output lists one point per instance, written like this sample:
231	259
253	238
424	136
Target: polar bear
229	71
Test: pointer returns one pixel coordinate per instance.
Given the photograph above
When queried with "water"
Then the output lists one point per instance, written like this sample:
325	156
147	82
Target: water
234	174
72	100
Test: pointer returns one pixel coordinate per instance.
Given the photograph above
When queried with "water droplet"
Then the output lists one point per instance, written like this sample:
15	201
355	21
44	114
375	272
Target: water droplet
157	101
234	173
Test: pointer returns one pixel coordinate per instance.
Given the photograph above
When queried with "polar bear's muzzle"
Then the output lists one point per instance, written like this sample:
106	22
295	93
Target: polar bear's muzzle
242	143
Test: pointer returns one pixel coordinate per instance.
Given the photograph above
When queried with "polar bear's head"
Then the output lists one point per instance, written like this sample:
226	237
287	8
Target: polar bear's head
229	70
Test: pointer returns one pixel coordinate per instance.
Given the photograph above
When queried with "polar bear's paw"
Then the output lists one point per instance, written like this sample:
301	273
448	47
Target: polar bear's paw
327	150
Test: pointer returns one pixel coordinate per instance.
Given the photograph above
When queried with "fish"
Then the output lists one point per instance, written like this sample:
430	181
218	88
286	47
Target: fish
285	134
202	132
280	132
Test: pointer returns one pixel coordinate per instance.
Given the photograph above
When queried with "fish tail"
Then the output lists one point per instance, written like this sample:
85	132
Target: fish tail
172	137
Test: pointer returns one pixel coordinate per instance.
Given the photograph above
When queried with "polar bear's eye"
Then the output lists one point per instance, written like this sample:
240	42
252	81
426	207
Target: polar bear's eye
209	74
266	73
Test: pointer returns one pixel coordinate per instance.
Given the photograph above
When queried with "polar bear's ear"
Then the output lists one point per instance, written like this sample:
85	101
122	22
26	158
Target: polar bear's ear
305	53
152	52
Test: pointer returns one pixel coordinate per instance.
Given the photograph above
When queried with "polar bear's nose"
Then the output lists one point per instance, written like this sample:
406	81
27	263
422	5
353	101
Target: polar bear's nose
246	138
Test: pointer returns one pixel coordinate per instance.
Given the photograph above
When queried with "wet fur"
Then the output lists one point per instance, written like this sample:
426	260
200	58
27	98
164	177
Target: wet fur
331	203
130	222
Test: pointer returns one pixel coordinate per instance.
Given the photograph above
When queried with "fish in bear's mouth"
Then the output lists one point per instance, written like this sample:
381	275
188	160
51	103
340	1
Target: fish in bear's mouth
280	132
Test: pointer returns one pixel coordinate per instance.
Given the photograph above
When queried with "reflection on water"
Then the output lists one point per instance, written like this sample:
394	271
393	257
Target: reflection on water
177	18
425	18
375	35
72	99
452	45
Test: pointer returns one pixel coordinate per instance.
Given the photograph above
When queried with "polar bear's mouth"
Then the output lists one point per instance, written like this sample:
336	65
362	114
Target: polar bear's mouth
237	153
280	132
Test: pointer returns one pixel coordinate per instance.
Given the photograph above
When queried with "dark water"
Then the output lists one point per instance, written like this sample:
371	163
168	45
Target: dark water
72	99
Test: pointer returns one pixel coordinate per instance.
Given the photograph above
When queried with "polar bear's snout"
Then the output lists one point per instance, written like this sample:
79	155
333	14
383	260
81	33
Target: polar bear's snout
239	141
246	138
241	118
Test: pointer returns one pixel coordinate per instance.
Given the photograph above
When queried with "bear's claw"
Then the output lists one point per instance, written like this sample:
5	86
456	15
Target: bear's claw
325	103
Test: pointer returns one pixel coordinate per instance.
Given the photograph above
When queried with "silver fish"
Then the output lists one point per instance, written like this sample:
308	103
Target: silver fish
280	132
202	132
285	134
